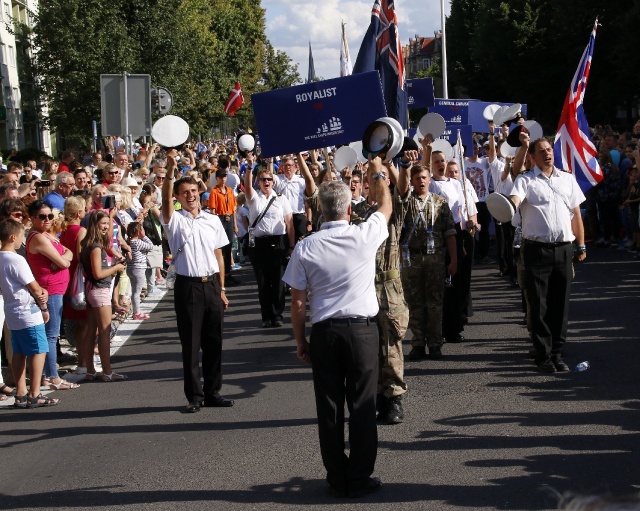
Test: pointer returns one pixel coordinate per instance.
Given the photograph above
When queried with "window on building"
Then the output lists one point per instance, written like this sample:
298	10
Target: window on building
12	56
7	12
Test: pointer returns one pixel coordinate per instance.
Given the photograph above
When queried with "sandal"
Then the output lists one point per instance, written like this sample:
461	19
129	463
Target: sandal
20	402
140	316
63	385
10	393
40	400
91	376
113	377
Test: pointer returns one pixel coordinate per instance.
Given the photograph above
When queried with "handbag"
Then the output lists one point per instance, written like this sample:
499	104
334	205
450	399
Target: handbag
78	299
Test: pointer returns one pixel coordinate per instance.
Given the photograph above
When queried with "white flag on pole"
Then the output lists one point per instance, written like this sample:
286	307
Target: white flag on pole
345	59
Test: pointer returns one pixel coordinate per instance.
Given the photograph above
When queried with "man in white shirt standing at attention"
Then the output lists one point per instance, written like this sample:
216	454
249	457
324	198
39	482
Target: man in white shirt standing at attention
337	266
196	239
551	221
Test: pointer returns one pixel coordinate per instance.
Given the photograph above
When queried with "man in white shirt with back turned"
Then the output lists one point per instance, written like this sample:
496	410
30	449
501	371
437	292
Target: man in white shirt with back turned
336	266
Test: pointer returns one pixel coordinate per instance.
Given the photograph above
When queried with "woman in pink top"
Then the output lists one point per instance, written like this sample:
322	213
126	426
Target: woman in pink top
49	261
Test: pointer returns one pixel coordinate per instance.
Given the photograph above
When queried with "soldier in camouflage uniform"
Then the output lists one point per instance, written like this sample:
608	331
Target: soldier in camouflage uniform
393	315
428	229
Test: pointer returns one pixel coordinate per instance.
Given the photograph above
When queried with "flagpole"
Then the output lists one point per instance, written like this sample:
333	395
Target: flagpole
445	87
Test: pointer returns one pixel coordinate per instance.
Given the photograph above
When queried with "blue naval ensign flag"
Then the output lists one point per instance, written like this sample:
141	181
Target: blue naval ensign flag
381	51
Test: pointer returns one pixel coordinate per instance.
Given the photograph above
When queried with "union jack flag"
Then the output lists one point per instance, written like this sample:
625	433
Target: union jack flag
573	149
381	51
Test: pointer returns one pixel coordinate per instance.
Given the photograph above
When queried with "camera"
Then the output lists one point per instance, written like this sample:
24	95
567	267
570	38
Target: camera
42	184
108	202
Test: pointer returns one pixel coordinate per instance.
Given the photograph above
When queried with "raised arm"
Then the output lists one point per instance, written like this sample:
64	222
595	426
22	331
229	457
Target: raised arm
378	187
167	187
248	177
492	142
521	155
310	185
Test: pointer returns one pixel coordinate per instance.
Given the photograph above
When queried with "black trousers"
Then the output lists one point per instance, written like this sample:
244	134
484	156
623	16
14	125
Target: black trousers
465	266
227	225
548	275
452	310
299	224
267	259
504	240
484	219
199	311
344	358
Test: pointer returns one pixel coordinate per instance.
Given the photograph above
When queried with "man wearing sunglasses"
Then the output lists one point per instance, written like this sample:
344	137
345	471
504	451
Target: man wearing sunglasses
64	186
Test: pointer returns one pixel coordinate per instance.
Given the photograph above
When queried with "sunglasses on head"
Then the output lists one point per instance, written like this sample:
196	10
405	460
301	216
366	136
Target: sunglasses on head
44	217
266	179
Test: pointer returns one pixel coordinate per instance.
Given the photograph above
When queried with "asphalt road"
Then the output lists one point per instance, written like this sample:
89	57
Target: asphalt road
483	429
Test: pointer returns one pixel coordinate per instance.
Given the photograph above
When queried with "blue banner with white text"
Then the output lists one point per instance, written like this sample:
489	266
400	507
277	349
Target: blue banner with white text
318	114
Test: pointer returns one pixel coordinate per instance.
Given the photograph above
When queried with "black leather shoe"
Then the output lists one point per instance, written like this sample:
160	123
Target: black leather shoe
560	365
382	406
372	485
435	353
276	323
417	353
456	338
192	407
218	402
338	493
396	413
547	366
266	324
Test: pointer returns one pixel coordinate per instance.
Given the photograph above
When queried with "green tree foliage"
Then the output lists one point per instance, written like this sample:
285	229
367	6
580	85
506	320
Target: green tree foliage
197	49
278	71
528	52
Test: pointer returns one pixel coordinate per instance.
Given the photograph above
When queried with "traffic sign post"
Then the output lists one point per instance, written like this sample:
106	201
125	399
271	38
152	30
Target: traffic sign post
125	102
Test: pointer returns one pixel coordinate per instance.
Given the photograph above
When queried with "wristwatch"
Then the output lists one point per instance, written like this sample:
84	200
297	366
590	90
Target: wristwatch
379	175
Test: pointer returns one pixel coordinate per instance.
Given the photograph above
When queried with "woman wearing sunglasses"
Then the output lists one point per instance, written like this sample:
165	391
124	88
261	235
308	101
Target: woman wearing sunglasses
49	260
272	235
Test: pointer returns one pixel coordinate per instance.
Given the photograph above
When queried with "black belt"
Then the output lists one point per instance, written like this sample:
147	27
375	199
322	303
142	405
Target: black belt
547	245
225	217
206	278
346	321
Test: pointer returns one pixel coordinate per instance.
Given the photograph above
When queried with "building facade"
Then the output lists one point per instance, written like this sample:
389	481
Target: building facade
19	104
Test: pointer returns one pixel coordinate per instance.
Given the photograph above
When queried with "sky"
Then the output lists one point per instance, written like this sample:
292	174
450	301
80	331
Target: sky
291	24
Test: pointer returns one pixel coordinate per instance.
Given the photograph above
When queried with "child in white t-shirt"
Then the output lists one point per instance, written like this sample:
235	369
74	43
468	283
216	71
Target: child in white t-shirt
25	307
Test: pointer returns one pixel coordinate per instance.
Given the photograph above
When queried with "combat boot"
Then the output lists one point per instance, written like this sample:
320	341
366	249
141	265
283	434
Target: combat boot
396	413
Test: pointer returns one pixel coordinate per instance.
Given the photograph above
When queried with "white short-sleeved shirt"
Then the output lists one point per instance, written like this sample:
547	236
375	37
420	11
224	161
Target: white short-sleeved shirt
21	309
479	175
292	189
233	180
500	186
337	266
468	208
546	214
241	212
451	191
273	222
198	237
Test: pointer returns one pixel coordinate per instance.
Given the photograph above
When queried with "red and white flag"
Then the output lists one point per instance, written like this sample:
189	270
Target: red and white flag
234	101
